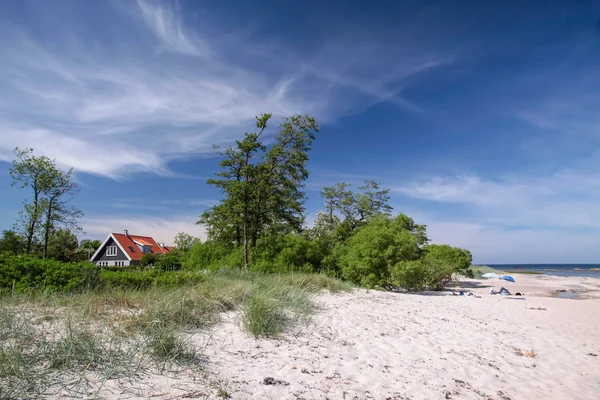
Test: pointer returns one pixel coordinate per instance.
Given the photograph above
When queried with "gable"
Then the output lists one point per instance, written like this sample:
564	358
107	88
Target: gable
101	254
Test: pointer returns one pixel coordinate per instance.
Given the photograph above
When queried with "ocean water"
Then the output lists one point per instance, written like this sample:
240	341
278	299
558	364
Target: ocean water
589	270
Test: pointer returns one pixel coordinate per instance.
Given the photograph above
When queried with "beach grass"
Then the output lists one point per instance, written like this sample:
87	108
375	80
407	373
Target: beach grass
53	344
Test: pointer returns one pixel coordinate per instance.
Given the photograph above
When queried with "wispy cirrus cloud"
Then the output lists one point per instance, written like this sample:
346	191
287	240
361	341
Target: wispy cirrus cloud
166	24
116	110
566	200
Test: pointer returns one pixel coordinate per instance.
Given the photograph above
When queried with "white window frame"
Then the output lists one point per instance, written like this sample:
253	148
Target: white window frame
111	251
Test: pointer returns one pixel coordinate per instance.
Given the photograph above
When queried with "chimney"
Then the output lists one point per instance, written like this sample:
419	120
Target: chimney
162	244
126	233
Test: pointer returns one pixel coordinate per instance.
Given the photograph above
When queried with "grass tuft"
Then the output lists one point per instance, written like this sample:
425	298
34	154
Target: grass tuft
79	349
165	345
264	316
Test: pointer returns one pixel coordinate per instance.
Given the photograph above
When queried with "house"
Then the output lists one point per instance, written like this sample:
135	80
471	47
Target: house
121	250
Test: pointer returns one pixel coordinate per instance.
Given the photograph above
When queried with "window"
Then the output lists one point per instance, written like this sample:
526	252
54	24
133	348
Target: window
111	251
131	249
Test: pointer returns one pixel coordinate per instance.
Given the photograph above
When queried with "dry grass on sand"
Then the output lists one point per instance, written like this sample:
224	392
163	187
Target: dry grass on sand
376	345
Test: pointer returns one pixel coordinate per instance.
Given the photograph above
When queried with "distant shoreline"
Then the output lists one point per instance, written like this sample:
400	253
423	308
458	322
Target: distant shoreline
580	270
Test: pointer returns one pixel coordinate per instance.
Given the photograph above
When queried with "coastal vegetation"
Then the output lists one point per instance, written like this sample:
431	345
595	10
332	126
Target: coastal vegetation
60	314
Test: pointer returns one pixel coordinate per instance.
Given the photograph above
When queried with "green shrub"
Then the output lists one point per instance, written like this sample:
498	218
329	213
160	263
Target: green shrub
369	255
205	256
169	262
425	273
410	275
459	259
149	259
127	279
28	273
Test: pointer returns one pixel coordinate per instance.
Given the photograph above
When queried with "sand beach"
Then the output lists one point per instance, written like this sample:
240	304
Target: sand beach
381	345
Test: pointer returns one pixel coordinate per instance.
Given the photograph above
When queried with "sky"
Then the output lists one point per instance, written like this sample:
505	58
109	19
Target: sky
480	117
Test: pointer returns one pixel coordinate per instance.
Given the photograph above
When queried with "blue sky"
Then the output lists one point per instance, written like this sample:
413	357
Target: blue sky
481	117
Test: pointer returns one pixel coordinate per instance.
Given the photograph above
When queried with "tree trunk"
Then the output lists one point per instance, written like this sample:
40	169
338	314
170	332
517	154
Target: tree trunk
33	219
246	242
47	228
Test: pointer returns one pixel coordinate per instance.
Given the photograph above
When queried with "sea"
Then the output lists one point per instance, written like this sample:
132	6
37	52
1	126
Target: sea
589	270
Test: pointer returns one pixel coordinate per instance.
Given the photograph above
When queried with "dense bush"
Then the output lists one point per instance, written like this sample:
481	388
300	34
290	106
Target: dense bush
434	269
205	255
421	274
458	259
149	259
368	256
27	273
169	262
284	253
391	252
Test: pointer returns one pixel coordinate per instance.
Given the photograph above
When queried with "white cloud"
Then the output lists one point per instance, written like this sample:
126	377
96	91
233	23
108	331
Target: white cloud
166	24
113	110
161	229
567	200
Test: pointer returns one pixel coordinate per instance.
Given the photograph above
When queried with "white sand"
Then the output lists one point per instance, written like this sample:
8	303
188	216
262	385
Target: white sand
377	345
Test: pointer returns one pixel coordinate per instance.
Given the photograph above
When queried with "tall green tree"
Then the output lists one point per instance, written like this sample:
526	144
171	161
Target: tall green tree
261	185
58	194
356	208
33	172
338	198
238	182
53	190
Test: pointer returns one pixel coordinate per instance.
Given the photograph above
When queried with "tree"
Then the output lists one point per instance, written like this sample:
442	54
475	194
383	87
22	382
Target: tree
58	193
53	189
261	185
238	181
31	171
89	247
356	208
323	226
12	242
62	245
372	201
185	241
338	198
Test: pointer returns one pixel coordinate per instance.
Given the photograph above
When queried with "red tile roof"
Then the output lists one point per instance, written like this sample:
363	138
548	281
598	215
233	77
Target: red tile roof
127	241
